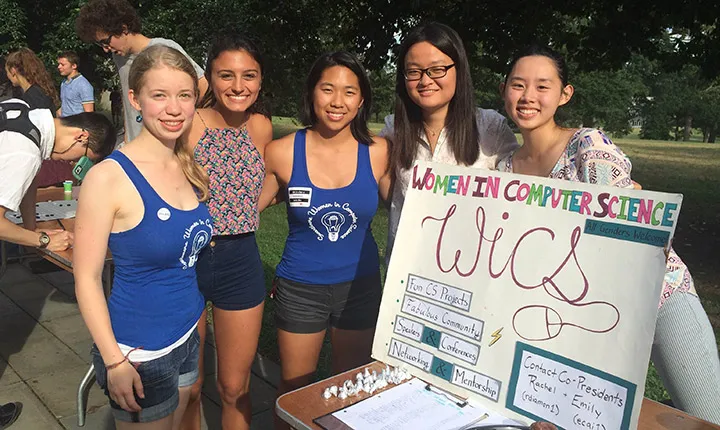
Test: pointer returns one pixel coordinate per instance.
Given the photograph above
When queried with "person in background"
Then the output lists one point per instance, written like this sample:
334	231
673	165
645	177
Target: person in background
228	138
7	90
27	72
146	344
69	138
76	93
114	25
330	175
684	349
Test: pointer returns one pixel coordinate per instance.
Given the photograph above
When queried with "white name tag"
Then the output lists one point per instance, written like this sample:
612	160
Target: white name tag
299	197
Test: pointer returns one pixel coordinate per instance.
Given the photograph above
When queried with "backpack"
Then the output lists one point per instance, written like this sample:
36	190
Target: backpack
20	124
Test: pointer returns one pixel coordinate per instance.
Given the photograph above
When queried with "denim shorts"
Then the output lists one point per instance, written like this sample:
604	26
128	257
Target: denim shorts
161	379
307	308
230	272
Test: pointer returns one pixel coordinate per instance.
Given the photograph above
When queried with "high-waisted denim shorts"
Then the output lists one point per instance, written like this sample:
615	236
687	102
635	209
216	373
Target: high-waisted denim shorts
230	272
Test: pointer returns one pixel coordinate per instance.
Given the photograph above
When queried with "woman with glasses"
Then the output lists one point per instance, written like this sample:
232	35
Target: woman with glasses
436	118
330	175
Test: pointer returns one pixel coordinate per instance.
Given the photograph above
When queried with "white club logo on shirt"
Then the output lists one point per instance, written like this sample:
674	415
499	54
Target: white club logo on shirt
337	220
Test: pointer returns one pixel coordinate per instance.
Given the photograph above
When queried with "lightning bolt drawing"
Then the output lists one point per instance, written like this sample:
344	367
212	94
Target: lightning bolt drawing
495	336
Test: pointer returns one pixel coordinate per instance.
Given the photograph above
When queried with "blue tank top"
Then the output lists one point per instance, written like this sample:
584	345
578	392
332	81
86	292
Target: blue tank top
155	298
330	240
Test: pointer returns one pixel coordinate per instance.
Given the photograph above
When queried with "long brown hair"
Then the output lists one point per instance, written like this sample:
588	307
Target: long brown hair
160	55
30	67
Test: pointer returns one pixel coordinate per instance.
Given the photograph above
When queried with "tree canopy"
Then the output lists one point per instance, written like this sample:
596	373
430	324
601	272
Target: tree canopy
658	60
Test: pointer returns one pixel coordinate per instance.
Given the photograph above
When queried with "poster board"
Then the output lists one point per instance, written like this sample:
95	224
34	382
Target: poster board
536	297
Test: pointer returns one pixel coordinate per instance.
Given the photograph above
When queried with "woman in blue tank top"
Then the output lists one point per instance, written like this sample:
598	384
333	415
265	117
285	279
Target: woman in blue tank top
143	203
330	175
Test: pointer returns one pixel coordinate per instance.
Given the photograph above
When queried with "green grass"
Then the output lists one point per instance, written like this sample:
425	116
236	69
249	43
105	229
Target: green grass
692	169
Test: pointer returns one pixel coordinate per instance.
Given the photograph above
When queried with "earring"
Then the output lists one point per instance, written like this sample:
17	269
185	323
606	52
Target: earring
138	118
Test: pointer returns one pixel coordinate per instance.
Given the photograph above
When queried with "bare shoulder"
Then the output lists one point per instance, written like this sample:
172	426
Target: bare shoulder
379	151
260	122
106	175
379	145
106	172
279	152
379	157
196	130
260	129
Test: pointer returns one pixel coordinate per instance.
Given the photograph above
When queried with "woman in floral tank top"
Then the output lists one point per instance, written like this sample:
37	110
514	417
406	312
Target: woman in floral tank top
684	350
228	138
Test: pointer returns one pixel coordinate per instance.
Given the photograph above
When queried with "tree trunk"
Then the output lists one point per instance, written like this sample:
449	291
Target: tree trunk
711	136
688	127
705	134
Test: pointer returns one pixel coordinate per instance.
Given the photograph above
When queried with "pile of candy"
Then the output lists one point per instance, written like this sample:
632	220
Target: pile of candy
368	382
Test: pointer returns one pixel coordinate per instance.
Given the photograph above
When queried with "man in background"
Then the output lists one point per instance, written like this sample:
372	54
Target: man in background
114	25
76	93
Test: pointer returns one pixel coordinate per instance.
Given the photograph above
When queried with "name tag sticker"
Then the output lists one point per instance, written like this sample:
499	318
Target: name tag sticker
299	197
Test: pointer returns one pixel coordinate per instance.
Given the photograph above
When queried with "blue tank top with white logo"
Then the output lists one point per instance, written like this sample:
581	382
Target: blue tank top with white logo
155	298
330	240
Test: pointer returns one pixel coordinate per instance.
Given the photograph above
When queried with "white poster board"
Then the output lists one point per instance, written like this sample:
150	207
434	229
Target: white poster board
536	297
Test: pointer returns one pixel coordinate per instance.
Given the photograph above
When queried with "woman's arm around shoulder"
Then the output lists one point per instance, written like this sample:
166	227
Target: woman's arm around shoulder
278	169
380	160
600	161
261	132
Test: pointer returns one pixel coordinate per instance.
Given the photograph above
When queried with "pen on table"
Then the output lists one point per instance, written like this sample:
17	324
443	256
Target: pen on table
61	224
458	401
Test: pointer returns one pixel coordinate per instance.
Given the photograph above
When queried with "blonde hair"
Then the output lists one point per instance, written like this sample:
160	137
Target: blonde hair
157	56
30	67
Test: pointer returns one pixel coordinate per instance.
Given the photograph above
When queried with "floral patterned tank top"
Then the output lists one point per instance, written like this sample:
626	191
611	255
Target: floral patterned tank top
236	170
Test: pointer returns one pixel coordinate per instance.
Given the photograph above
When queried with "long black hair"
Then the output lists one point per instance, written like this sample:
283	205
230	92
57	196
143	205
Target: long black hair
462	130
359	124
233	42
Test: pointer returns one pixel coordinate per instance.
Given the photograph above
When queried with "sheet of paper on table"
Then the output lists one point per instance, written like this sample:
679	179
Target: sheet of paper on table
48	211
410	406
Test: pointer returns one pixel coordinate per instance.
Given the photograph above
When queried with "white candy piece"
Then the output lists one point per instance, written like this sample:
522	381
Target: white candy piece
359	376
334	390
367	373
327	394
342	395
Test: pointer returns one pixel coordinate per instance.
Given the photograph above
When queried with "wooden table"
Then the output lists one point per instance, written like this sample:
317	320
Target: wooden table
298	408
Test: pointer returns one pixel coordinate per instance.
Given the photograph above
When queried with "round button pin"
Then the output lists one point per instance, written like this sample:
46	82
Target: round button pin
163	214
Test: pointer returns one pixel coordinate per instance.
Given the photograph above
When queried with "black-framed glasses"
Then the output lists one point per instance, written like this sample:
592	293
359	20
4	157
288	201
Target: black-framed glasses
104	43
434	72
